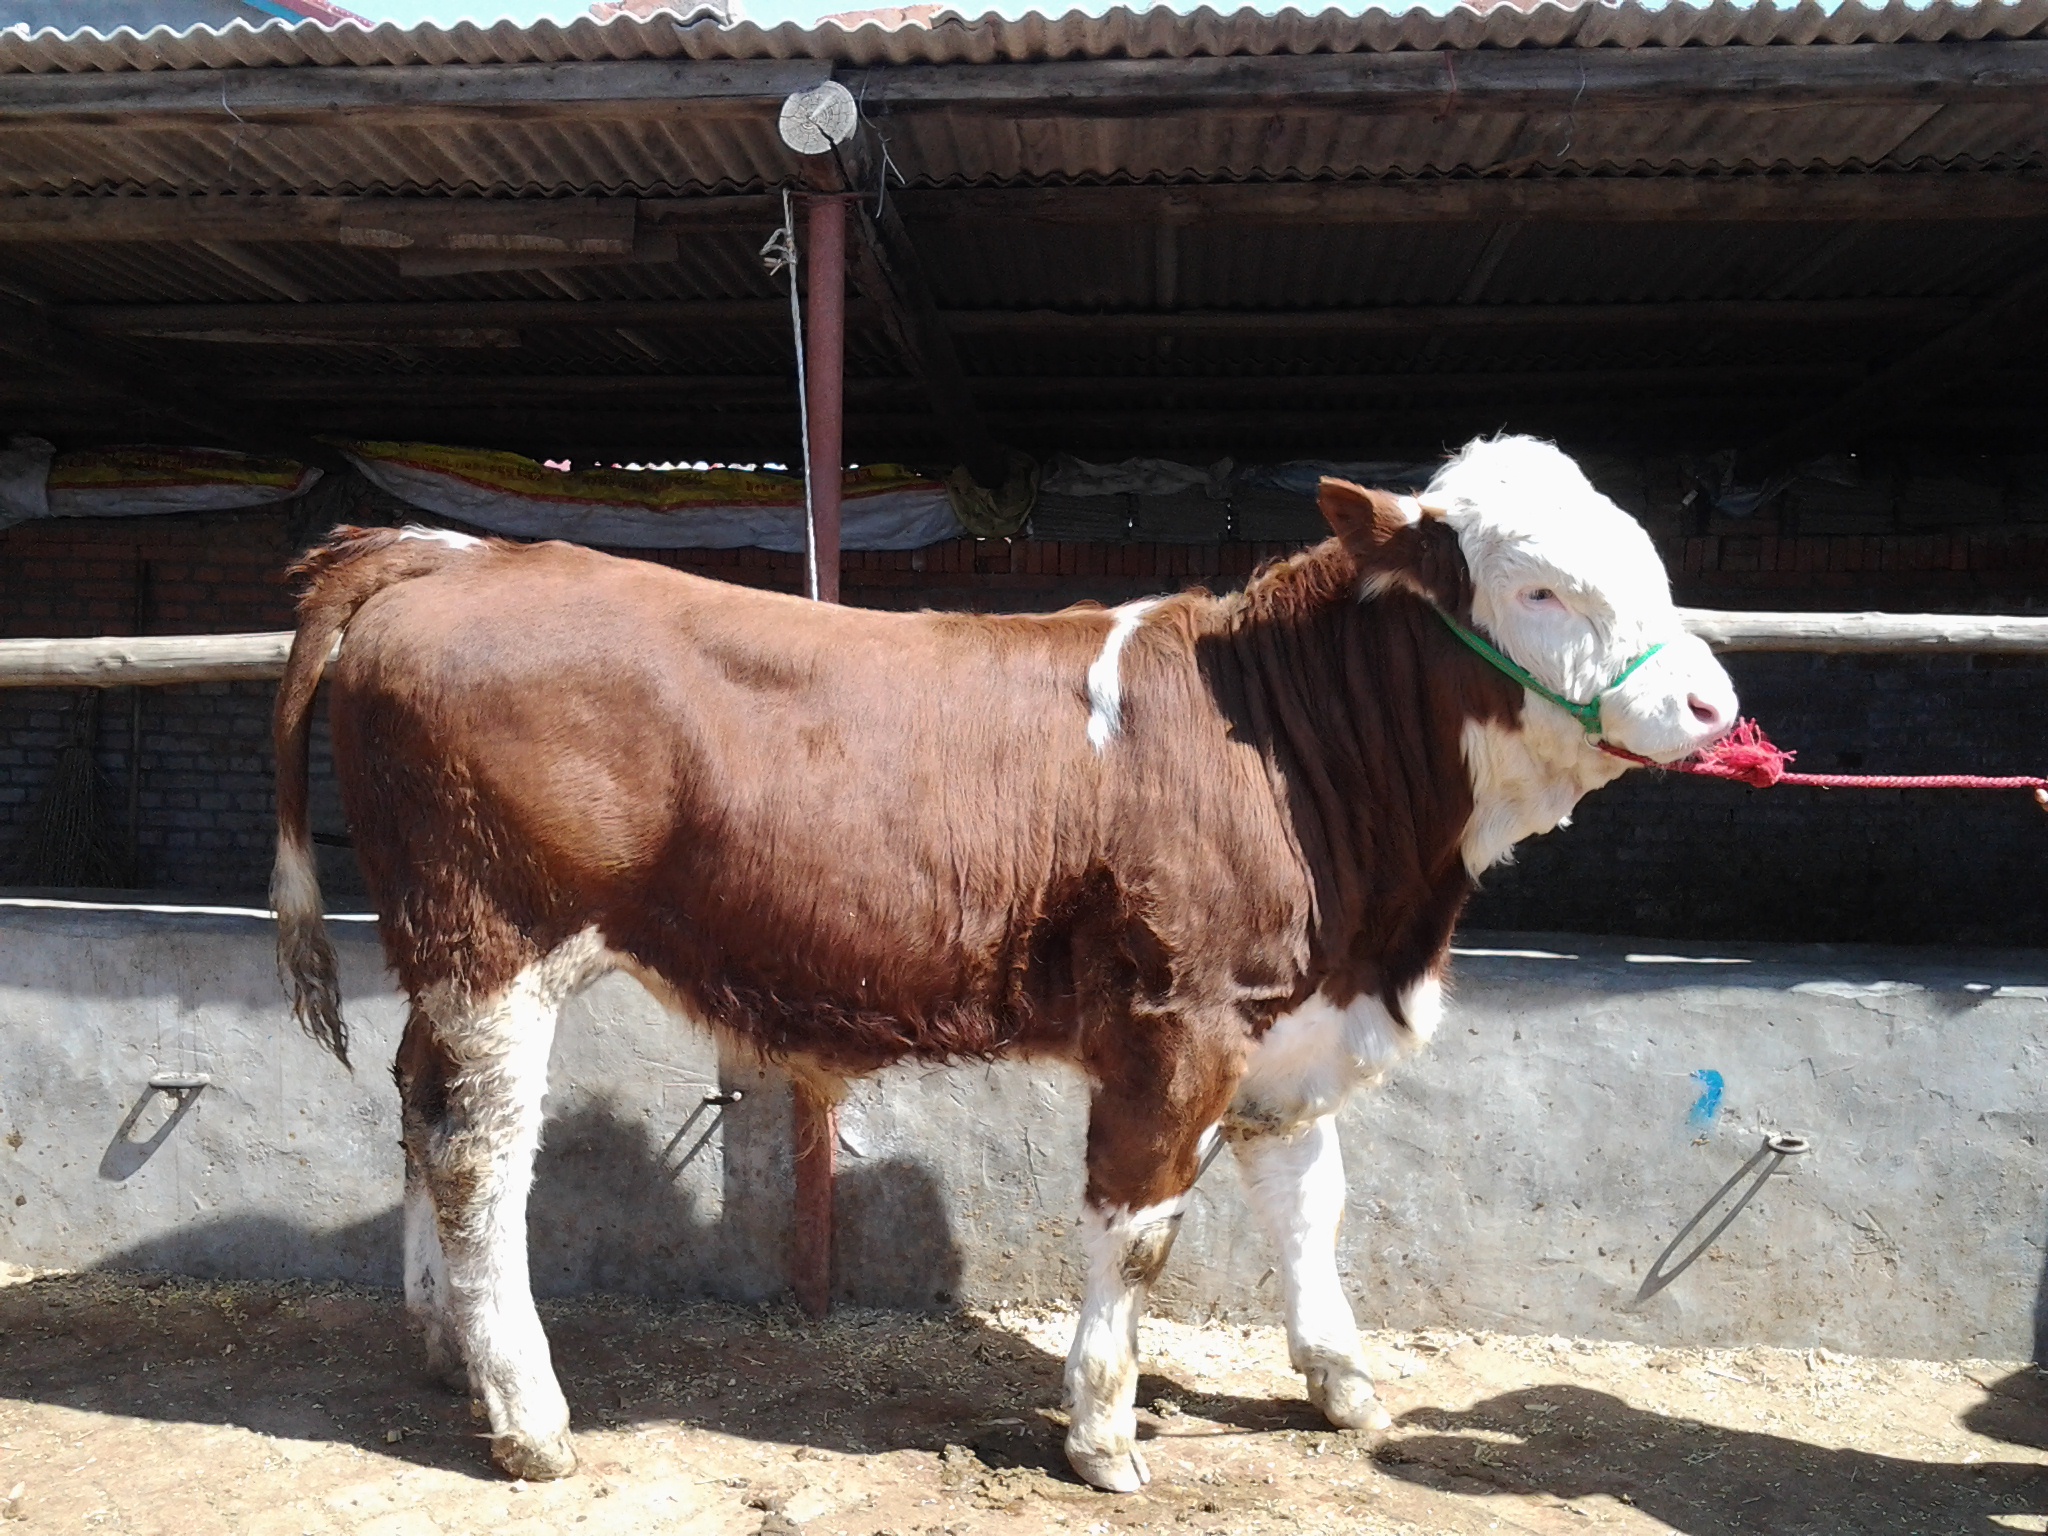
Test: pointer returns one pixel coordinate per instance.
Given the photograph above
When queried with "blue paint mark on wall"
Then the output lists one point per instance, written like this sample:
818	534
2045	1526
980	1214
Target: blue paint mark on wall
1708	1104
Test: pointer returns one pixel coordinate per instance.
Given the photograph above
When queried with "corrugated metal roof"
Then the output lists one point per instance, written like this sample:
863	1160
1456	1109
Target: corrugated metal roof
958	39
1118	387
597	150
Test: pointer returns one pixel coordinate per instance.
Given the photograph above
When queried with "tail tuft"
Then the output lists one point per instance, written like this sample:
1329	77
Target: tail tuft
305	955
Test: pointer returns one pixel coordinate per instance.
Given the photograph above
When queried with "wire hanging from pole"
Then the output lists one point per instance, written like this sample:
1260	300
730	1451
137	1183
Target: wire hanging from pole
780	255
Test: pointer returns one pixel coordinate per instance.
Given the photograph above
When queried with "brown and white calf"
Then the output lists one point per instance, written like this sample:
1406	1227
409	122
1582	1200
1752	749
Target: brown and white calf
1208	849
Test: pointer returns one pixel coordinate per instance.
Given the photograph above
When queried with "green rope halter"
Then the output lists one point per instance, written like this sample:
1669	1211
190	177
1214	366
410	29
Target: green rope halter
1588	714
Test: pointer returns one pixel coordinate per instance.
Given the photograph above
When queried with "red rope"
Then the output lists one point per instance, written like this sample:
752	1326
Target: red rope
1746	756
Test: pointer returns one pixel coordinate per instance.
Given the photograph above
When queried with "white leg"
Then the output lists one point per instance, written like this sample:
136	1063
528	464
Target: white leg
1126	1250
1296	1184
426	1284
480	1167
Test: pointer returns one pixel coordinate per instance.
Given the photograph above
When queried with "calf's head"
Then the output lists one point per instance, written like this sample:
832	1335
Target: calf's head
1561	582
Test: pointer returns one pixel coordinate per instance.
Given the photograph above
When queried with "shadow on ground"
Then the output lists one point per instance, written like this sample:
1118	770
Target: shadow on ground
339	1364
330	1363
1705	1480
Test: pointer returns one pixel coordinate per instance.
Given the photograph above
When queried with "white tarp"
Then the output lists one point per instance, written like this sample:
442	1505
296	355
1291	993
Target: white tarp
35	482
882	507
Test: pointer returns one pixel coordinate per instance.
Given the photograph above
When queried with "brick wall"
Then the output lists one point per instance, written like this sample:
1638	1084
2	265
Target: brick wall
1649	856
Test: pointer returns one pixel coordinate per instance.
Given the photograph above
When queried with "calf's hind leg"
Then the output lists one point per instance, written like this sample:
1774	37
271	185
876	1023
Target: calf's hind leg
1296	1184
475	1157
1146	1132
422	1071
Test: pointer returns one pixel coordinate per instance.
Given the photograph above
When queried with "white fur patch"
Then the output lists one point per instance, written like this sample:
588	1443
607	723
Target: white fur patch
1410	509
1105	679
1571	587
500	1045
447	536
426	1277
1310	1061
1423	1007
294	881
1102	1366
1526	781
1295	1184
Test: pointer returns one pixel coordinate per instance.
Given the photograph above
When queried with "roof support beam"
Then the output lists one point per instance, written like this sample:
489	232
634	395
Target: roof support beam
481	227
389	320
1805	199
1431	319
409	94
1583	79
607	226
1487	79
416	392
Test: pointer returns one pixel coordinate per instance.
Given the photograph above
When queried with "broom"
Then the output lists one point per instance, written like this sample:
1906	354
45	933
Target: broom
68	843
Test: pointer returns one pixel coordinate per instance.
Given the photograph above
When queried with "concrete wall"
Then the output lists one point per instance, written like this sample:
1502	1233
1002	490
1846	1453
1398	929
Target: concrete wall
1522	1175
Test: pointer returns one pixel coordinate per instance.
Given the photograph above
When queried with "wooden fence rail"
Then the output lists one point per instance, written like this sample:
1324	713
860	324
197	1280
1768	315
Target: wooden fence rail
158	660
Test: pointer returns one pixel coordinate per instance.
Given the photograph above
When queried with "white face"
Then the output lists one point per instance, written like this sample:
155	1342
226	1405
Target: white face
1569	586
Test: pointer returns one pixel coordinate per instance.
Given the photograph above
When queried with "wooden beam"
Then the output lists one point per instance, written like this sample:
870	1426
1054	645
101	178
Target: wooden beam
1446	81
1867	634
199	321
576	225
371	94
565	228
159	660
1659	80
203	321
414	391
143	661
1820	198
1425	319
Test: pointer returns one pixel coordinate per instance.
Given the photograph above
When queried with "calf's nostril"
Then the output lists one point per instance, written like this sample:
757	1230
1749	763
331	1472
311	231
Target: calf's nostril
1702	711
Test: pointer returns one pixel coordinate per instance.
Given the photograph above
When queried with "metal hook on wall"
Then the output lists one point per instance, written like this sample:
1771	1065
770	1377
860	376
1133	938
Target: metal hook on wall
1776	1148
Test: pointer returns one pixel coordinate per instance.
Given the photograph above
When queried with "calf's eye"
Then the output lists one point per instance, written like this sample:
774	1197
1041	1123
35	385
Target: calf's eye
1539	596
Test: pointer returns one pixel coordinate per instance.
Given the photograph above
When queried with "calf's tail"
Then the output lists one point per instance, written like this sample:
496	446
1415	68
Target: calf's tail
338	578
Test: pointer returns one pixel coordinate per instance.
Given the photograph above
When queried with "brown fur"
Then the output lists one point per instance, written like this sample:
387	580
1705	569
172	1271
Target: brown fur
339	578
852	837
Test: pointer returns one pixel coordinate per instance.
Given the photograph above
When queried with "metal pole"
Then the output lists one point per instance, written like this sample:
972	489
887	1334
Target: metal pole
825	384
814	1122
814	1118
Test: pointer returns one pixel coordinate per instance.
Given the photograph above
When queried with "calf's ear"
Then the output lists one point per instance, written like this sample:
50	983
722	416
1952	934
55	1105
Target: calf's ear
1398	543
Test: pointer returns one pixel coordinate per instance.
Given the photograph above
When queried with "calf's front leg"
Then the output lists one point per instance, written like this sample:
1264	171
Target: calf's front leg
1145	1138
1296	1185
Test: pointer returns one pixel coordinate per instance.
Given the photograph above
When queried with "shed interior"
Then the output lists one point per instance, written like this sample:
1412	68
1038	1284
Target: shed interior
1779	278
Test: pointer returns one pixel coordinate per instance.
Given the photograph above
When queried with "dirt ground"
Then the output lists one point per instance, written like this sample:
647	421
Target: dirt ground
145	1404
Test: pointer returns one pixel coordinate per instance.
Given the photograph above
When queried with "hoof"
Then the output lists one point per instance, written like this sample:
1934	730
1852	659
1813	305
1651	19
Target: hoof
1121	1471
537	1461
1343	1394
